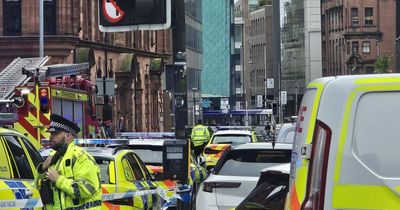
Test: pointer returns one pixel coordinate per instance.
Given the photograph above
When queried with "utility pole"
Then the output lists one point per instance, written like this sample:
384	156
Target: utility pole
41	29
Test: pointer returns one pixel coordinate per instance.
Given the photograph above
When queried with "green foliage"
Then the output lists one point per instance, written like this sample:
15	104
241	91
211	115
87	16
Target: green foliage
382	64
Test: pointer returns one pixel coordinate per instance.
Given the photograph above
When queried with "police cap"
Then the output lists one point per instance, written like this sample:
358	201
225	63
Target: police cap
59	123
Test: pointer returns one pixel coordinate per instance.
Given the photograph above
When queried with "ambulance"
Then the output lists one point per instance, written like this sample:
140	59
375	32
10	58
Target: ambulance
346	146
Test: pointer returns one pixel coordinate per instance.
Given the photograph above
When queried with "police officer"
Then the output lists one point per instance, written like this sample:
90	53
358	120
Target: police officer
200	136
70	177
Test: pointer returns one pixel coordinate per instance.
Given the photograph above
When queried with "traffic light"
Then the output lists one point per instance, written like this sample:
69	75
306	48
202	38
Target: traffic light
275	108
125	15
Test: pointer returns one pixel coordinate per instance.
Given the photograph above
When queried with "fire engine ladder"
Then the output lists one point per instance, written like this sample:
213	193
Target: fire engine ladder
13	76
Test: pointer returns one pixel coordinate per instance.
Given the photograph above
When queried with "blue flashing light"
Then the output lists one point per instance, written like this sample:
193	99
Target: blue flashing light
44	100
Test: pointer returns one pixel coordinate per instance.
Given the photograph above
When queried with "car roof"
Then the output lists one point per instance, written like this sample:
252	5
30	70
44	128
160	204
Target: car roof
232	132
6	131
264	145
105	152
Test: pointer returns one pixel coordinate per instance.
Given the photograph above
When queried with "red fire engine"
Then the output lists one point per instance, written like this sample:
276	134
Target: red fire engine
50	89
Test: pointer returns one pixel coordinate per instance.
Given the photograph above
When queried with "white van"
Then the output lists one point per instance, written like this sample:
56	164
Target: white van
346	150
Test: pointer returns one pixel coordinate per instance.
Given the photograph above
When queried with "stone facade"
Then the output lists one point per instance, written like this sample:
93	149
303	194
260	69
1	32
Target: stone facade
72	35
355	33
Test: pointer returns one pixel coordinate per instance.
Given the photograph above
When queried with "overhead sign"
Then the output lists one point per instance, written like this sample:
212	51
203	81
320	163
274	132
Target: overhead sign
129	15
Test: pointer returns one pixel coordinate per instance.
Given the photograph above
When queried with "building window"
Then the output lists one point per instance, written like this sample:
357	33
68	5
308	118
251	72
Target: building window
369	69
50	14
348	47
354	47
366	47
12	17
369	16
354	16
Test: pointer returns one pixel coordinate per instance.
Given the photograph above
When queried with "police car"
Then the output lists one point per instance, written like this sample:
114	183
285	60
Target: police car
223	140
126	183
18	160
151	152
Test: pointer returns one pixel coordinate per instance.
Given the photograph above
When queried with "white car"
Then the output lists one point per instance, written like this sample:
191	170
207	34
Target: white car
286	133
237	172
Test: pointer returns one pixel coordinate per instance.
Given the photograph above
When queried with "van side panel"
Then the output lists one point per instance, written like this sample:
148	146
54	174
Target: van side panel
362	171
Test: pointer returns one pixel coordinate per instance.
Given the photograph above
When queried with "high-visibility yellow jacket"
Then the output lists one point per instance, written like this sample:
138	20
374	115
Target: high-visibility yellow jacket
200	135
78	186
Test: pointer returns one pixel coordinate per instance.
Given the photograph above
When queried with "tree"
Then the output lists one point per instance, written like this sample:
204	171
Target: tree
382	64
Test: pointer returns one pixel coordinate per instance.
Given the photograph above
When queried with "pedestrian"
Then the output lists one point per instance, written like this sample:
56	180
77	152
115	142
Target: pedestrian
199	137
70	177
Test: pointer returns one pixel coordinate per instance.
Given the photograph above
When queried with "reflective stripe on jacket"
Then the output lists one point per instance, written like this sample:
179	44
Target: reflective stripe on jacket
78	186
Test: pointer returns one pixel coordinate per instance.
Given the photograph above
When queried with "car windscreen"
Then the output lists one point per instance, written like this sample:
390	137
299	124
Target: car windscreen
151	157
233	139
249	162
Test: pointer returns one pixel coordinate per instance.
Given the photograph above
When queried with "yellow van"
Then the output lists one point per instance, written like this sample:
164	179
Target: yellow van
346	146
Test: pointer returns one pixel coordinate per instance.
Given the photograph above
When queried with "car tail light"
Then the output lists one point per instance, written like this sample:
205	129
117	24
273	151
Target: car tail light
210	151
316	181
208	186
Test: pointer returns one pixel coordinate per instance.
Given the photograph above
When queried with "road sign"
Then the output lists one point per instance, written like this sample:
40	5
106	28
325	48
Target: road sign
179	101
110	86
270	83
284	97
128	15
259	101
224	103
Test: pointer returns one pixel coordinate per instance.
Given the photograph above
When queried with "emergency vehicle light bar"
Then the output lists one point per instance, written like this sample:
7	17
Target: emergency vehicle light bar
234	128
46	142
145	135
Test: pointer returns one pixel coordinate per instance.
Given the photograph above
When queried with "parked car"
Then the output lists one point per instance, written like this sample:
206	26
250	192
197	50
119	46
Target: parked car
224	139
271	189
18	162
123	171
151	152
237	173
286	133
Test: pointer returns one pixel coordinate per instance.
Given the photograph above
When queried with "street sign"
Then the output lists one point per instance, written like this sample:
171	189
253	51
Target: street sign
110	86
283	97
270	83
179	101
259	101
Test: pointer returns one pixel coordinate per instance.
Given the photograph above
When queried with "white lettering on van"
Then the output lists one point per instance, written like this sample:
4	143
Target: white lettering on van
8	204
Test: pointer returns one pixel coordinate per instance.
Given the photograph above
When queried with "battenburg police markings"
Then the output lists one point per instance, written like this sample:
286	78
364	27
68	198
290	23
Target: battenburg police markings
21	203
113	196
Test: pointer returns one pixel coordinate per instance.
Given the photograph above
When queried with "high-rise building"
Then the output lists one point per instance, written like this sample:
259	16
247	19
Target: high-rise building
301	49
217	48
355	34
72	36
261	55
